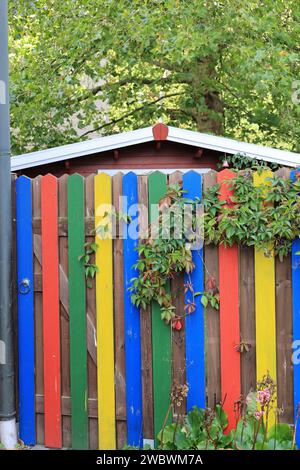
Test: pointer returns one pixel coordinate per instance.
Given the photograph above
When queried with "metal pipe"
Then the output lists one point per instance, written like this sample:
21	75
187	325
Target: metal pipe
8	436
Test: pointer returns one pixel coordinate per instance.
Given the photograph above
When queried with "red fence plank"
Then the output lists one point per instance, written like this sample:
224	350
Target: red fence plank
229	315
51	329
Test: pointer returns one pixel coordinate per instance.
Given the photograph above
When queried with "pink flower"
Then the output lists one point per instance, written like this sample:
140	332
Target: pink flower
263	396
258	414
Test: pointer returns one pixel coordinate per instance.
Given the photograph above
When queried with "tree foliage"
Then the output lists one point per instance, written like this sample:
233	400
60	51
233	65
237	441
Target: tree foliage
225	67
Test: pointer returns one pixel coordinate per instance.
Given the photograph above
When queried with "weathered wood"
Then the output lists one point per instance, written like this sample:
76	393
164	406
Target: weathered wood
146	326
89	223
64	305
211	260
178	337
284	331
64	299
247	319
91	318
38	310
92	407
120	384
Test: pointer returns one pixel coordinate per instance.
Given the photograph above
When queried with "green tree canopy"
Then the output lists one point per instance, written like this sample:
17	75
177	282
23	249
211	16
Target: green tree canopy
225	67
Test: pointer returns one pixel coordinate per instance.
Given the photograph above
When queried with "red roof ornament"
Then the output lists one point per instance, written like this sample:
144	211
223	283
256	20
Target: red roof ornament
160	131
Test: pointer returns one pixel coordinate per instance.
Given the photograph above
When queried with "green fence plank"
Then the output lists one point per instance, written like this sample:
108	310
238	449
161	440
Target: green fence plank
161	333
77	300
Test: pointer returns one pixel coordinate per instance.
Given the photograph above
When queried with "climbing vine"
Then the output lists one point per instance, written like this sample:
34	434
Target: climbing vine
161	258
241	162
266	217
90	268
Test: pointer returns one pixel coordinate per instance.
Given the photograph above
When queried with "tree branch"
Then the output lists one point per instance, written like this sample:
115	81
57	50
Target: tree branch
140	108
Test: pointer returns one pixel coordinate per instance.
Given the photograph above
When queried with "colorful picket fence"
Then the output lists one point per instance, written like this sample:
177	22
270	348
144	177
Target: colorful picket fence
94	372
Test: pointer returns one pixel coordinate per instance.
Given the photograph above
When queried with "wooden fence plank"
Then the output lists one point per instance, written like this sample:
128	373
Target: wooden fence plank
284	330
211	257
132	316
120	384
146	324
229	315
161	333
64	304
178	336
25	310
78	348
105	328
247	319
91	317
51	330
64	297
194	323
38	310
265	308
296	324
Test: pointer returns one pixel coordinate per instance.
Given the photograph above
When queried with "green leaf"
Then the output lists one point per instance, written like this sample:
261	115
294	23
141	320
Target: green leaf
204	301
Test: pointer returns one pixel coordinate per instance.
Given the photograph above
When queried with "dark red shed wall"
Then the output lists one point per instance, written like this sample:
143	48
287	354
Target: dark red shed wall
151	155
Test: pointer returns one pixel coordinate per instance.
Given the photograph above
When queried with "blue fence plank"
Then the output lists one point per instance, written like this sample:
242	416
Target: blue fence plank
133	369
194	323
296	322
25	310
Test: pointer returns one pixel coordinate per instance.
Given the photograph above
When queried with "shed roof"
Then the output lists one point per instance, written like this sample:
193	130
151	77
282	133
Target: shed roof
158	132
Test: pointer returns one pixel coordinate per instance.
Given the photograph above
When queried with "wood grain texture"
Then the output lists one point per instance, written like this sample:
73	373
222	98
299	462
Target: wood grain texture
105	326
77	309
91	319
161	333
64	295
178	337
51	328
211	259
146	324
295	261
265	308
247	319
120	384
38	309
64	303
284	336
284	331
229	315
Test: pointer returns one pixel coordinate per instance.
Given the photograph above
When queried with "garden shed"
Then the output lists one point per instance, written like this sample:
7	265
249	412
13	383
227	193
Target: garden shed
158	147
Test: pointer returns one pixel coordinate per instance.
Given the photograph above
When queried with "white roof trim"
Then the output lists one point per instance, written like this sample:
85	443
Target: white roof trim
80	149
125	139
223	144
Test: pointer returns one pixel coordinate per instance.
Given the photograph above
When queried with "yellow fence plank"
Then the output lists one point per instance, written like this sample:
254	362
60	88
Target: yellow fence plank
104	307
265	308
